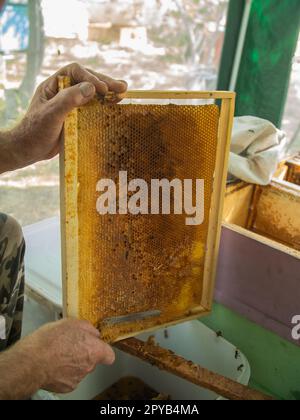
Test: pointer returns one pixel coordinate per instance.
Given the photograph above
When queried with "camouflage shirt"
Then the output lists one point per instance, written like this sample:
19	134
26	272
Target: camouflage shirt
12	249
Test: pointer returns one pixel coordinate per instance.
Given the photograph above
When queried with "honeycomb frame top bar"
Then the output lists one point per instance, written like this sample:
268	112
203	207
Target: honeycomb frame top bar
178	94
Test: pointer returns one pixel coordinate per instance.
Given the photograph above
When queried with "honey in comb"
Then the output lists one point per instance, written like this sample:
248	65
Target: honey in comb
131	264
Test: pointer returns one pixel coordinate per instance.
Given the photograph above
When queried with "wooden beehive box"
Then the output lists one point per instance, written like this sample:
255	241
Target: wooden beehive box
259	261
266	213
128	273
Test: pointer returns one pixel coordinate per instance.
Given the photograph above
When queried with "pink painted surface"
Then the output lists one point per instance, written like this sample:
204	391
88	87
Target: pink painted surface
258	282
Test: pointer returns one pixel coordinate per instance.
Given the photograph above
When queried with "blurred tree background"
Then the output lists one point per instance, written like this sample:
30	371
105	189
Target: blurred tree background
153	44
25	20
186	32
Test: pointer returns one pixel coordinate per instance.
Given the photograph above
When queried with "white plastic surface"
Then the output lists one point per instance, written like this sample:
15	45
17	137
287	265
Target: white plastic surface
43	259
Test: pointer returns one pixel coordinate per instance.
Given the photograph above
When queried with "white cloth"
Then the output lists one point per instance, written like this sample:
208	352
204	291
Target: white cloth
257	147
2	328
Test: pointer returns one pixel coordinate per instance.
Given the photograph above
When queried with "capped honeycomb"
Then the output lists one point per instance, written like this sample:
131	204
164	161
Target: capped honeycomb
130	264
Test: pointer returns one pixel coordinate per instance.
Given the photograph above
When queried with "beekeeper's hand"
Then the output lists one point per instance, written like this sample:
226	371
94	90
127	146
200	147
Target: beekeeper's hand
38	135
55	358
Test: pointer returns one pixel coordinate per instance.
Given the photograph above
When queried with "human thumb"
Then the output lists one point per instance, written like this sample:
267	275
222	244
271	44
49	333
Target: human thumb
72	97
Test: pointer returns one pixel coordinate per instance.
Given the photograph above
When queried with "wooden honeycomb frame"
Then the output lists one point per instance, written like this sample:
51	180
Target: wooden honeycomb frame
69	216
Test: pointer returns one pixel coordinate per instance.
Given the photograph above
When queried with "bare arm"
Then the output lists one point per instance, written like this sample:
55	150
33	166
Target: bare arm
19	376
9	159
55	358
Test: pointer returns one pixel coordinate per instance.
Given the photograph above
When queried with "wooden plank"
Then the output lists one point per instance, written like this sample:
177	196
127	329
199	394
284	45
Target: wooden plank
68	211
238	199
258	279
166	360
217	202
182	95
263	239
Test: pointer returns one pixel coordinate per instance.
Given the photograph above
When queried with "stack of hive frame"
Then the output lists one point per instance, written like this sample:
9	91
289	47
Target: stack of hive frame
130	273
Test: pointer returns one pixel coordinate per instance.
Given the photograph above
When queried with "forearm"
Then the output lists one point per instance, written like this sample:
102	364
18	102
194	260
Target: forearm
9	152
20	376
